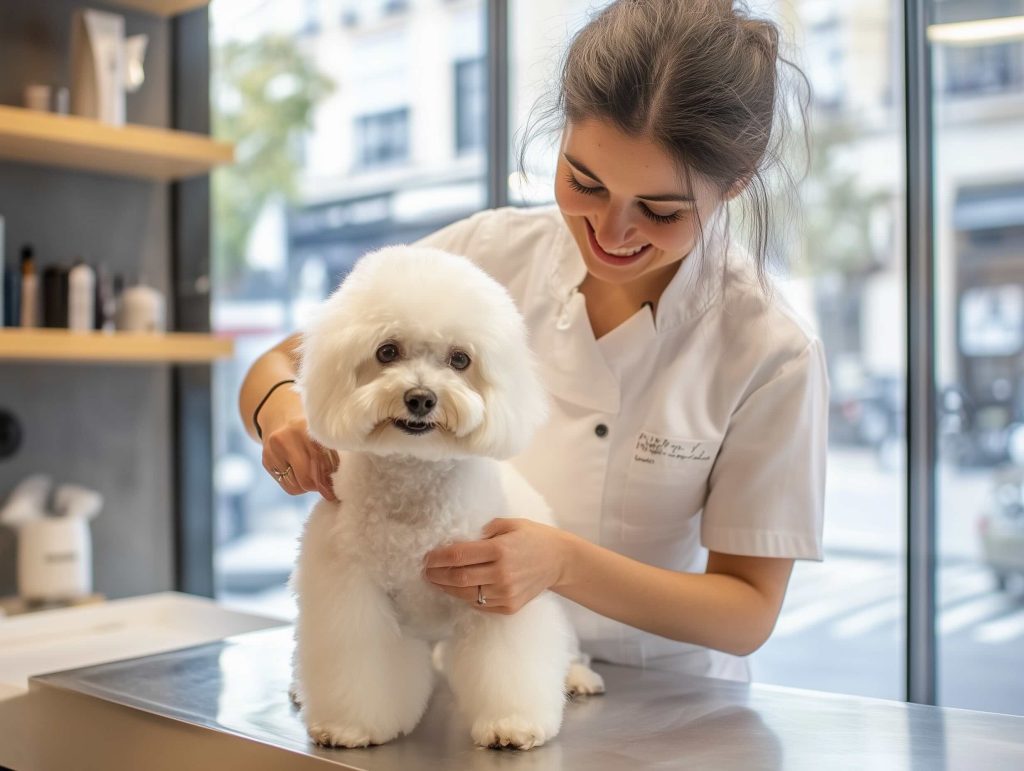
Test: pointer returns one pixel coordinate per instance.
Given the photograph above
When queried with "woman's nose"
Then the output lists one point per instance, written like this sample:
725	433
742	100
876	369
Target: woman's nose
614	228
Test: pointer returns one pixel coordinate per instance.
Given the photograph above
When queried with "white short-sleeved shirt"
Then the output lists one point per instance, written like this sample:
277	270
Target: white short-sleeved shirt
703	428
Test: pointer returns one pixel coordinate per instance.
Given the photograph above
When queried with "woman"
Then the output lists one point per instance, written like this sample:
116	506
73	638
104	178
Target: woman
685	455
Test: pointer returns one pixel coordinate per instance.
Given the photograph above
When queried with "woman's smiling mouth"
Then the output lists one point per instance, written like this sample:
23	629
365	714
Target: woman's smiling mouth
618	258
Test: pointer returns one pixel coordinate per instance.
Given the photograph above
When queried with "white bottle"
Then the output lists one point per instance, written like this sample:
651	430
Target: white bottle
141	310
97	66
54	559
81	297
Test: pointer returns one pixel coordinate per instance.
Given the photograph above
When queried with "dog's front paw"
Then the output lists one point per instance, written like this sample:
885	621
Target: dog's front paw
344	735
513	733
582	681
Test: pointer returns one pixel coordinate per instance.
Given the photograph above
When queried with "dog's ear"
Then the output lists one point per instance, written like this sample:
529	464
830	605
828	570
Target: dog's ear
333	346
515	397
336	342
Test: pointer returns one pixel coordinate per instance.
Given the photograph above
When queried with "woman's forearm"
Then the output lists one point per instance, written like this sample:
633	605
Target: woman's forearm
279	363
717	611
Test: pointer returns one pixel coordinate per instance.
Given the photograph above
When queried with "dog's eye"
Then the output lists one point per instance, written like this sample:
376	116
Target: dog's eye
387	353
458	360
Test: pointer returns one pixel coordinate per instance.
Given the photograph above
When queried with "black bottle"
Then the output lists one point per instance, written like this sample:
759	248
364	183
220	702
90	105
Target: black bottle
55	296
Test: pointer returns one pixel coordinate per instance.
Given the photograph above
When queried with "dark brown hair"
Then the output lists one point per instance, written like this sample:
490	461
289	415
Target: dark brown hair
699	78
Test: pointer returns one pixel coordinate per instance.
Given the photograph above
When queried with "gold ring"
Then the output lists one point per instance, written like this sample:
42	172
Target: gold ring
280	475
480	599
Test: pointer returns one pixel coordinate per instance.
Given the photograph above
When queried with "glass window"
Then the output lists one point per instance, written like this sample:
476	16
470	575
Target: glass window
363	123
382	139
980	70
470	105
823	55
974	55
979	254
841	627
842	623
311	25
538	36
352	133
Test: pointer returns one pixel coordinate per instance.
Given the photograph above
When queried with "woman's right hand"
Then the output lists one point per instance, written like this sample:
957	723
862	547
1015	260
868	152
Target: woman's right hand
290	455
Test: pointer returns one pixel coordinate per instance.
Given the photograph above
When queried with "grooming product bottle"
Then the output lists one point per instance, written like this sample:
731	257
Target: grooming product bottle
81	297
105	301
118	299
141	310
12	297
54	552
55	296
3	278
29	288
98	66
11	293
38	96
54	559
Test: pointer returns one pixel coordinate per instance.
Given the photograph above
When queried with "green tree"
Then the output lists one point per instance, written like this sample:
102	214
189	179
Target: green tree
264	94
836	240
821	214
836	232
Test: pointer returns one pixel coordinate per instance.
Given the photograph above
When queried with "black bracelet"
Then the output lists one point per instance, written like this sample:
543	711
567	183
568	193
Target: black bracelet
256	412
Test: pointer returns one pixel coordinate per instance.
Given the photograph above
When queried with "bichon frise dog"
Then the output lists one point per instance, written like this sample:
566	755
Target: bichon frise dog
418	370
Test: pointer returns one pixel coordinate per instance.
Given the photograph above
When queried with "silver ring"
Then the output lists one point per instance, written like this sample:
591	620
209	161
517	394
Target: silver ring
279	475
480	599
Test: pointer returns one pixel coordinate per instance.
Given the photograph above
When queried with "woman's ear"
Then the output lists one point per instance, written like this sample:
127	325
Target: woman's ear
737	187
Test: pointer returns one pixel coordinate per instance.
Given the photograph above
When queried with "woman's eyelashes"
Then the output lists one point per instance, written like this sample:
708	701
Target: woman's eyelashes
663	219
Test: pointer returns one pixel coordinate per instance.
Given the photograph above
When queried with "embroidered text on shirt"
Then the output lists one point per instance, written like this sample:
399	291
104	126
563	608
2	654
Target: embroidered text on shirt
650	448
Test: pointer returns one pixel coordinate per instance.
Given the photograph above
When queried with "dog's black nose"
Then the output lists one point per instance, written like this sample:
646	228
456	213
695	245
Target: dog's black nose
420	401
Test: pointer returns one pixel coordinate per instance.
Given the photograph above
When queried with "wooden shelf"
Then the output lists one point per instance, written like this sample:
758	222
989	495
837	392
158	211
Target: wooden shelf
16	606
61	345
161	7
133	151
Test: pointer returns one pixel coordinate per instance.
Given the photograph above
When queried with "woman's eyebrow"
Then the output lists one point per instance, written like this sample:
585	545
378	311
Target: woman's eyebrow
659	197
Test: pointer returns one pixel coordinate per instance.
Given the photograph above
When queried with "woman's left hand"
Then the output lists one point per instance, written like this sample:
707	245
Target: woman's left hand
516	560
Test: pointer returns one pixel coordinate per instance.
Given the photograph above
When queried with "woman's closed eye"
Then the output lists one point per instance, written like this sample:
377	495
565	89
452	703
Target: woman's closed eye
663	219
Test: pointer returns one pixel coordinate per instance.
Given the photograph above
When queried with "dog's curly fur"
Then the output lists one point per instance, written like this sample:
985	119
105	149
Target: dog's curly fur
417	369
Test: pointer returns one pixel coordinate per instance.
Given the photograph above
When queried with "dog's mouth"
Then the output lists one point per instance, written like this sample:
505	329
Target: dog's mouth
414	427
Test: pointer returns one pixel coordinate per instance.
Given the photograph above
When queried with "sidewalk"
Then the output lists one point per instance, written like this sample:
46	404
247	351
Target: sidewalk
865	507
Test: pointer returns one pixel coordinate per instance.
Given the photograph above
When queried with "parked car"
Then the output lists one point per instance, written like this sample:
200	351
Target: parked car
972	434
871	417
1001	524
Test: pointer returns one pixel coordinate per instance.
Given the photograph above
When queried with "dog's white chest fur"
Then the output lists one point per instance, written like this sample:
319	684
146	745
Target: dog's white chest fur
395	509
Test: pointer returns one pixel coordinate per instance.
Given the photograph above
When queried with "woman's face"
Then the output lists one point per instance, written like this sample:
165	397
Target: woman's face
622	199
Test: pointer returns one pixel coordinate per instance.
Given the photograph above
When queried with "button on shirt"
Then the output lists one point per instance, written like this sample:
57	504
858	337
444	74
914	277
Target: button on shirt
701	427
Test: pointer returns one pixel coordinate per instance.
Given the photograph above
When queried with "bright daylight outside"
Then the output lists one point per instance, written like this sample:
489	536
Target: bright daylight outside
358	128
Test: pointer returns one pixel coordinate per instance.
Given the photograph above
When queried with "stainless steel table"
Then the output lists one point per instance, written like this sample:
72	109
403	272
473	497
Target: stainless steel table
224	706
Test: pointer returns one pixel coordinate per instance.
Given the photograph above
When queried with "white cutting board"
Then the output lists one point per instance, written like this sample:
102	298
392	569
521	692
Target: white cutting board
67	638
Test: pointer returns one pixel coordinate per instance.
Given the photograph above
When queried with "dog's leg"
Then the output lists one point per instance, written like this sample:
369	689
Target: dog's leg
508	674
440	656
361	682
581	680
294	692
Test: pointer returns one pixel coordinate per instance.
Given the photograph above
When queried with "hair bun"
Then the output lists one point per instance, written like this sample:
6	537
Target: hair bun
763	33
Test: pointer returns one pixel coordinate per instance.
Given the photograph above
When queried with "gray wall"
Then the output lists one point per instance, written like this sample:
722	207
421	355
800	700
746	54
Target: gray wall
105	427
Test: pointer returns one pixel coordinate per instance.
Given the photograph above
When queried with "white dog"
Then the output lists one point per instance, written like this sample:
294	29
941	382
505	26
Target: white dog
417	368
